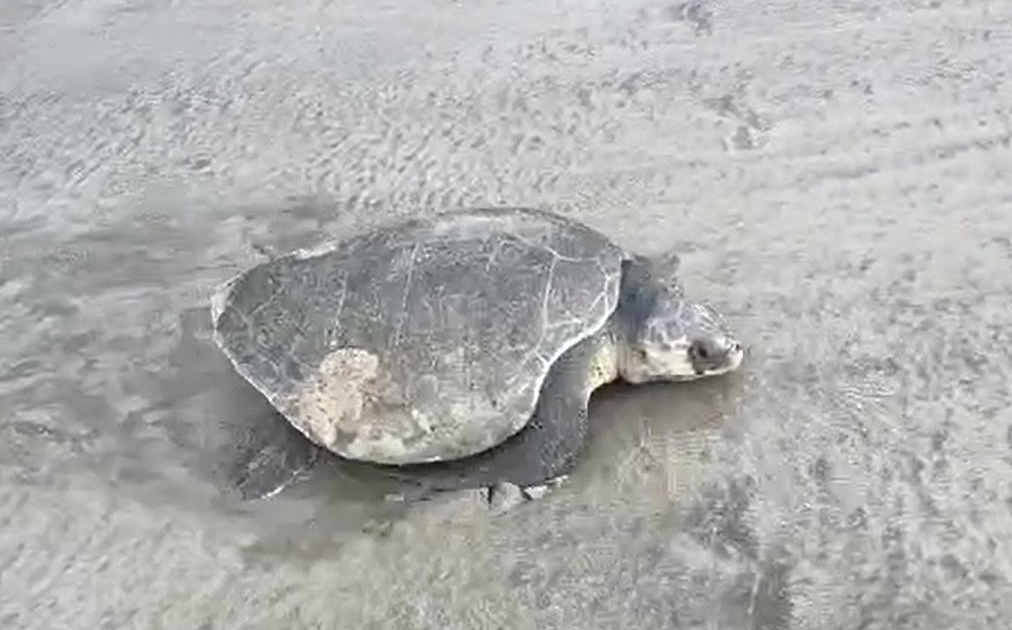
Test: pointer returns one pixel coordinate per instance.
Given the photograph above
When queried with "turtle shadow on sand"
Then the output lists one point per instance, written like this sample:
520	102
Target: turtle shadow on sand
226	428
241	431
232	431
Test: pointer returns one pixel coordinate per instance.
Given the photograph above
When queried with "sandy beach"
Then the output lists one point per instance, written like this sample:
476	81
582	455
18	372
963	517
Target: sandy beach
835	175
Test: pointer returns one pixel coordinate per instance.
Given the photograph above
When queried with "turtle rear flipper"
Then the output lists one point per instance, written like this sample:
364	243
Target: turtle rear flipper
265	471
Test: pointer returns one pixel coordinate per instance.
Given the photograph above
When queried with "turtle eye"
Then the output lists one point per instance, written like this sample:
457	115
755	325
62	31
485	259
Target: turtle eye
699	350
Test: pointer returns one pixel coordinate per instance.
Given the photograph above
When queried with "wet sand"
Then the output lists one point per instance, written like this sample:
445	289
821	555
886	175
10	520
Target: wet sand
835	175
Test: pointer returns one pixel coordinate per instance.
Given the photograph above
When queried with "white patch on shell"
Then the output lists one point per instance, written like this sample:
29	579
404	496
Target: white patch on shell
422	420
374	447
333	401
314	251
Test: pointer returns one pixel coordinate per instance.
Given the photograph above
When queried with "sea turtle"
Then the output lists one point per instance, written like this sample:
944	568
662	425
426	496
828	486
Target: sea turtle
460	350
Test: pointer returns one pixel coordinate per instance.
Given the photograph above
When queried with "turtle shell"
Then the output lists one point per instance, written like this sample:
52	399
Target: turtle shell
420	341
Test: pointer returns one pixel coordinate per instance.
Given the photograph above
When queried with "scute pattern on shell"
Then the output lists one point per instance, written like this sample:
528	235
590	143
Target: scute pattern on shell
462	314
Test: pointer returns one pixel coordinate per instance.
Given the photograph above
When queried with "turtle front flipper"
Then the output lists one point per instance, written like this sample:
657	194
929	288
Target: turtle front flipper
539	455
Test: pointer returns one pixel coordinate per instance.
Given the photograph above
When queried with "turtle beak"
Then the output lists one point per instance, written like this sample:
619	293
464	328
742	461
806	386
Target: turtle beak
736	356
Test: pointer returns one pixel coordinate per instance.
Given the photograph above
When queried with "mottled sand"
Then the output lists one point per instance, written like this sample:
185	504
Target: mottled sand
835	174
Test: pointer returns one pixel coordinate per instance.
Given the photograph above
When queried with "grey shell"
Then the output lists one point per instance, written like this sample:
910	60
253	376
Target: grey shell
422	341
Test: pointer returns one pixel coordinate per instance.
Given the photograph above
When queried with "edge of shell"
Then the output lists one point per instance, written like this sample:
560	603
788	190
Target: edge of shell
223	292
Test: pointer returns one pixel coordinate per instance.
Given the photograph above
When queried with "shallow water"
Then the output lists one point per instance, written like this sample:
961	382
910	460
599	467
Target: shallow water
836	176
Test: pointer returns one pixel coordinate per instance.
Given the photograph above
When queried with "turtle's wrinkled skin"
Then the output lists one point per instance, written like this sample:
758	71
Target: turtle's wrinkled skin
461	351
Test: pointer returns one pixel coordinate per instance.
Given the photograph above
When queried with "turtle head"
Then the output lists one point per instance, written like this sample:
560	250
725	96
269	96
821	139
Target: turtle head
667	337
